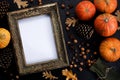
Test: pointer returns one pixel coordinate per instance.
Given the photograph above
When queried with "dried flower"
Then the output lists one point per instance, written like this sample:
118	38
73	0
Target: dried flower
48	75
69	75
21	3
71	21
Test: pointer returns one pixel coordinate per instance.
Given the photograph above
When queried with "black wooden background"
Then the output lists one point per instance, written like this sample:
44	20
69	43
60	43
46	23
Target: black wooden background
11	73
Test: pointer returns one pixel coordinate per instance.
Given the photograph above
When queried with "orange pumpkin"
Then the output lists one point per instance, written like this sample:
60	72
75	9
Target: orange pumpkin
110	49
107	6
85	10
105	24
4	38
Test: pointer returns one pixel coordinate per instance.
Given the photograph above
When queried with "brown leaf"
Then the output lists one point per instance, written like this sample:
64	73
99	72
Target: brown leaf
71	21
48	75
21	4
117	13
69	75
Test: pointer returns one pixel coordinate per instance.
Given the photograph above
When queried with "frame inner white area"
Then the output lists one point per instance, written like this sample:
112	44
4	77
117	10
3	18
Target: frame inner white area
37	39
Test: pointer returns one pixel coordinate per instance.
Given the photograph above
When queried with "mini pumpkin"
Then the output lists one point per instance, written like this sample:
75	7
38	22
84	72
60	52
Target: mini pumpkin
85	10
4	38
110	49
107	6
106	24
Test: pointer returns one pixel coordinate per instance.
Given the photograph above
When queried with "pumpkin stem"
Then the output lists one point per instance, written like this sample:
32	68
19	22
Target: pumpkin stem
106	20
107	2
2	36
113	50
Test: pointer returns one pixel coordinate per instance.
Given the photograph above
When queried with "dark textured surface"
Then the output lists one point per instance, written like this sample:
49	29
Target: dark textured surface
11	72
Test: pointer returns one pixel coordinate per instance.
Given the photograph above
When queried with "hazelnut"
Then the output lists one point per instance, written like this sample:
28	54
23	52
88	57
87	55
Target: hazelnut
81	63
71	66
95	53
62	5
88	61
84	57
75	65
75	41
81	69
82	49
88	50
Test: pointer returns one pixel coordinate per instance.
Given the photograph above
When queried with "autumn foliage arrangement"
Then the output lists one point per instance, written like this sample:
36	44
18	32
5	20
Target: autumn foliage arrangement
105	24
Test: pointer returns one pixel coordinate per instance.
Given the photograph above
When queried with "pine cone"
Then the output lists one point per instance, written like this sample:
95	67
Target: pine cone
84	31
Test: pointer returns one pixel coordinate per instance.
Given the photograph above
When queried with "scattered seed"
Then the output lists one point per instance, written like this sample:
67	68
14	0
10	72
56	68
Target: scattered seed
84	57
82	49
68	42
83	52
67	13
75	65
75	41
89	64
88	50
76	60
73	58
81	63
17	77
76	54
62	6
79	46
81	69
80	54
71	66
88	61
72	62
87	44
95	53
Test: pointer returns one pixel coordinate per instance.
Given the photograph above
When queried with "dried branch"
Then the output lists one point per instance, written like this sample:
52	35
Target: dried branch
21	4
117	13
48	75
71	21
69	75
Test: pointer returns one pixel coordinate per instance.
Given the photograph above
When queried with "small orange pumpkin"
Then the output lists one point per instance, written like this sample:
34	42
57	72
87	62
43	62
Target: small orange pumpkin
110	49
4	38
107	6
85	10
106	24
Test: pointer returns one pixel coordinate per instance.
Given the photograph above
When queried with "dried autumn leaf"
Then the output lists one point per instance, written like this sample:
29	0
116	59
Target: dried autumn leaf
118	28
71	21
117	13
21	4
69	75
48	75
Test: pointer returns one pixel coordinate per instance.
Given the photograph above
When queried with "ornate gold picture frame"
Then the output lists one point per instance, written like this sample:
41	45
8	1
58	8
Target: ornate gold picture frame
22	37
